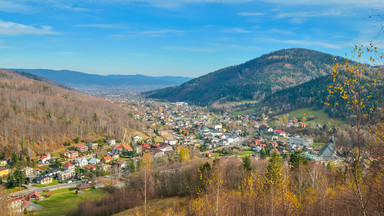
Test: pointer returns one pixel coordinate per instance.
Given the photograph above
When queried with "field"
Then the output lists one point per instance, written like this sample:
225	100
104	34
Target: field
63	201
320	116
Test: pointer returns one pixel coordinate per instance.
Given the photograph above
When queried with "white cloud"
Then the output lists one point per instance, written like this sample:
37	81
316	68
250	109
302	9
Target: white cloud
162	32
307	43
111	26
190	49
309	14
346	3
12	7
177	3
236	30
250	14
11	28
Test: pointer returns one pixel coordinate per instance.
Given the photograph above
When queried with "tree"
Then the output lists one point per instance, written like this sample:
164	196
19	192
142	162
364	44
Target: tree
4	201
183	153
247	163
274	169
296	159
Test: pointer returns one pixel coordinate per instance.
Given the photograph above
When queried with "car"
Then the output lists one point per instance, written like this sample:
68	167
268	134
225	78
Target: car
69	182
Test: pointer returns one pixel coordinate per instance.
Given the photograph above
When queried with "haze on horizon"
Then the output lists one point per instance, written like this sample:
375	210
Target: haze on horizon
174	37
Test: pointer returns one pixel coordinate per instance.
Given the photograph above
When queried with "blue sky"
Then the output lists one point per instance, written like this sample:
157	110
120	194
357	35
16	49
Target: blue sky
175	37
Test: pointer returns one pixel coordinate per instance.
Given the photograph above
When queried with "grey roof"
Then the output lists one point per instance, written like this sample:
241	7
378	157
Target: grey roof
328	152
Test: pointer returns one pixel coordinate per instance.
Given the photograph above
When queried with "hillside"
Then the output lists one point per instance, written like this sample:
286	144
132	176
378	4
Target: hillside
86	82
36	116
254	79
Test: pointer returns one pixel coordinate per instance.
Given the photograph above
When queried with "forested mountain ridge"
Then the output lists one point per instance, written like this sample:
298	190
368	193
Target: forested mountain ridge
36	116
84	82
253	79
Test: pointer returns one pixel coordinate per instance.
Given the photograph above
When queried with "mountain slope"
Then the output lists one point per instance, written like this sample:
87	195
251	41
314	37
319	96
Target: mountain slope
253	79
84	81
36	116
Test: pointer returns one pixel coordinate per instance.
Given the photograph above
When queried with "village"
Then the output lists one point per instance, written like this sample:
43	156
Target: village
170	127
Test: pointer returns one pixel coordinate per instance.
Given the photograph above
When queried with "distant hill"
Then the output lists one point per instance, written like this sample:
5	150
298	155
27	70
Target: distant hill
84	81
36	116
254	79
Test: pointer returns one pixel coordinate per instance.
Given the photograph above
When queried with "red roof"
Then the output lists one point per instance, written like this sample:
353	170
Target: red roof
91	167
80	145
279	132
145	145
68	165
121	162
119	148
107	158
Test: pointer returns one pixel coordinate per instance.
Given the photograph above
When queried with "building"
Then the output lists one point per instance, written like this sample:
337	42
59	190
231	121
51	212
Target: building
4	172
300	141
121	164
82	187
66	175
28	171
81	162
280	133
93	146
45	157
43	180
328	152
137	138
68	166
71	154
171	141
81	147
94	161
111	142
107	159
3	163
18	203
33	196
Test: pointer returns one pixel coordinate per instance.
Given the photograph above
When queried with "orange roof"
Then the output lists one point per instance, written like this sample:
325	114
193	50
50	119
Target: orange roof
127	147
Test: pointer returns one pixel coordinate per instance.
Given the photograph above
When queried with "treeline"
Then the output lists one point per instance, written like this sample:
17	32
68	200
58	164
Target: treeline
233	186
37	117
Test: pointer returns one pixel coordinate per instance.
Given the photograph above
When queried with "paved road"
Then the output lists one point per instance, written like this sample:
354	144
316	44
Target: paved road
52	187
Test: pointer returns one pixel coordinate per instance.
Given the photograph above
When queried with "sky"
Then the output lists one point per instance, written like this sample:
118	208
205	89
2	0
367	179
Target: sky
176	37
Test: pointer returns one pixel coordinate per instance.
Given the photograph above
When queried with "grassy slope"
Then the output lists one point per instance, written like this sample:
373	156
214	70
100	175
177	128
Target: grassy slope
320	116
63	201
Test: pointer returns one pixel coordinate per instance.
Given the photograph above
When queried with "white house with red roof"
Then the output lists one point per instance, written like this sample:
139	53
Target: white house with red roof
45	157
171	141
280	133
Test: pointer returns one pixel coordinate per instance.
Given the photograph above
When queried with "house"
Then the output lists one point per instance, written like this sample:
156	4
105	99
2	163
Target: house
328	151
145	145
96	186
43	180
18	203
53	172
27	171
93	146
264	128
91	167
94	161
3	163
105	167
117	150
171	141
82	187
45	157
71	154
66	175
280	133
121	164
126	147
111	142
115	156
33	196
4	172
218	127
137	138
82	147
81	162
107	159
69	166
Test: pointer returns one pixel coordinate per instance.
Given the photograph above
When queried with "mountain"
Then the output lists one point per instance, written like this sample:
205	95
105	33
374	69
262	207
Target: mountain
36	116
86	82
253	79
